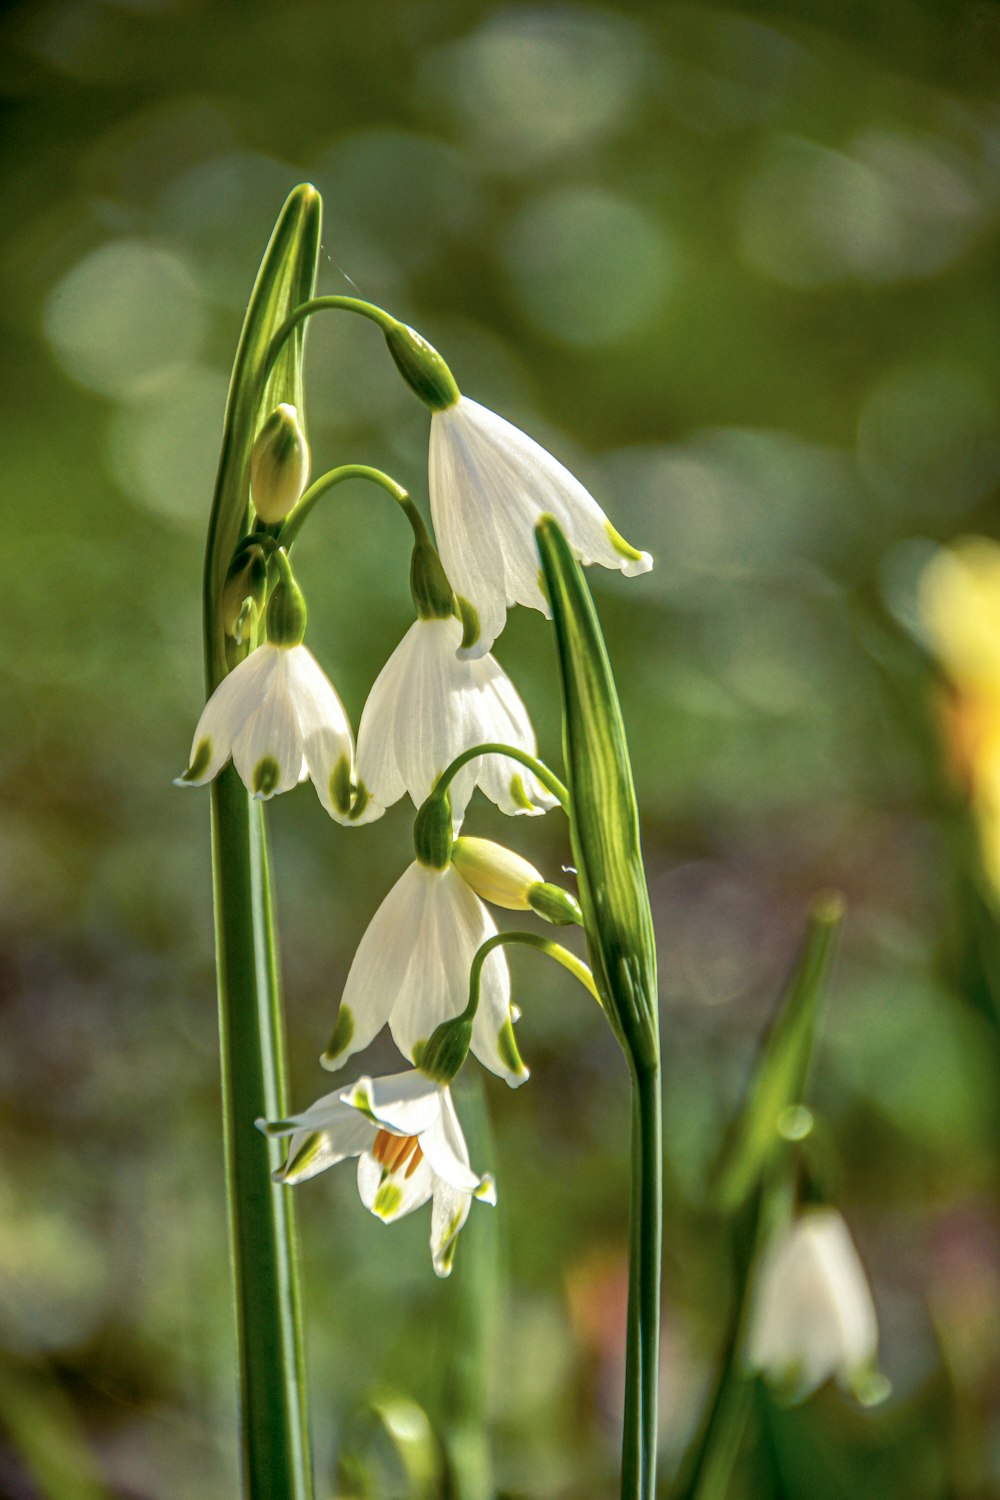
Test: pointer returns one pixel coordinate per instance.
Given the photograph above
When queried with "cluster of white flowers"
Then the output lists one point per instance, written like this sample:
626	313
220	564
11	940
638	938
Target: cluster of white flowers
440	695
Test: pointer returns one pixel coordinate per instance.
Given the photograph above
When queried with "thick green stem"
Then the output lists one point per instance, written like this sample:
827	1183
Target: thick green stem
642	1352
274	1429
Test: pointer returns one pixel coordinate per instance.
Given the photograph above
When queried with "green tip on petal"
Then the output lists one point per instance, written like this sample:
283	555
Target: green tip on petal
340	786
625	549
342	1033
387	1200
519	796
267	774
509	1055
198	766
362	797
306	1153
469	616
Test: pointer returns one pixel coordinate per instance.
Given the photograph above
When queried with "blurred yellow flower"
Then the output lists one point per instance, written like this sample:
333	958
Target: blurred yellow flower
959	600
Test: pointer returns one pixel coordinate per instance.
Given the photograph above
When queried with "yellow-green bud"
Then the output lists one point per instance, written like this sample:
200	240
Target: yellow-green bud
279	465
495	873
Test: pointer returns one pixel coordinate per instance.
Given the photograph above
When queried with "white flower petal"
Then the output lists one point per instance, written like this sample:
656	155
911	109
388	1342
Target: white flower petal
391	1196
489	485
407	734
326	1133
443	1144
378	975
506	782
268	750
328	744
238	695
451	1209
453	924
407	1103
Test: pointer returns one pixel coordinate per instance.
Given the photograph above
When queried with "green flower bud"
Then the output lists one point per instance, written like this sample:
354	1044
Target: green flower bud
446	1050
286	612
555	905
432	832
495	873
422	367
279	465
246	579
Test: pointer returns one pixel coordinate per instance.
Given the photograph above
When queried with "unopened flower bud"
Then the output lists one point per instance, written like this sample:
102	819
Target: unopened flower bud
246	579
495	873
432	832
279	465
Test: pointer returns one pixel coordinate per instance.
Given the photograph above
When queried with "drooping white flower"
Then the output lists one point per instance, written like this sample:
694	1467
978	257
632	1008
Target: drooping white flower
489	485
407	1136
425	708
812	1316
277	714
412	971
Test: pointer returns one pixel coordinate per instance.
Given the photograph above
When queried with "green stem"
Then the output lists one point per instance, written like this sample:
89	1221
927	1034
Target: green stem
385	321
549	780
642	1352
274	1423
294	521
569	961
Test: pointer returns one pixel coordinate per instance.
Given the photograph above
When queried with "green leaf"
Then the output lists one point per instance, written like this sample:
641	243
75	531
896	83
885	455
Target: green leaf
604	819
779	1079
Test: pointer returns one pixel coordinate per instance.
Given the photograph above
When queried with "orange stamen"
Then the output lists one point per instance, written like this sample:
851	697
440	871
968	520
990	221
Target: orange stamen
393	1150
418	1157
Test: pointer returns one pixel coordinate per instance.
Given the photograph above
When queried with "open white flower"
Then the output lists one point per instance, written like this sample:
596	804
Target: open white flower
489	485
425	708
412	970
410	1146
812	1317
279	717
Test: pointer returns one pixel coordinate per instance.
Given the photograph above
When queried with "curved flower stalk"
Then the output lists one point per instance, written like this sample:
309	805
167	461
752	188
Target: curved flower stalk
489	485
425	708
412	971
812	1317
406	1135
279	717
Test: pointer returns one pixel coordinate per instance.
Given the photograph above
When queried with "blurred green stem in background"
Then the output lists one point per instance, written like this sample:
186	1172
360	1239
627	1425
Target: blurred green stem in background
753	1190
276	1460
604	828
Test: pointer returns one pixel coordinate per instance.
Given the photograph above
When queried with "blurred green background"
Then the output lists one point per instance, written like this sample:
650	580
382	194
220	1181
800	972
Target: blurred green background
738	268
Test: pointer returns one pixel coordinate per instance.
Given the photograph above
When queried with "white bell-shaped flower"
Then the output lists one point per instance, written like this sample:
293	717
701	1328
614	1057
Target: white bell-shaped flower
411	970
406	1135
425	708
812	1316
279	717
489	485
